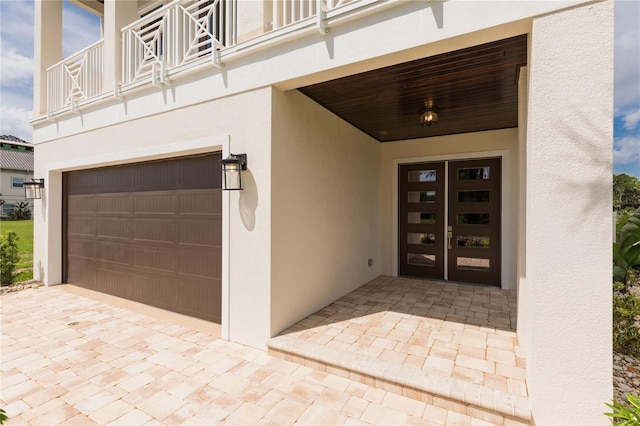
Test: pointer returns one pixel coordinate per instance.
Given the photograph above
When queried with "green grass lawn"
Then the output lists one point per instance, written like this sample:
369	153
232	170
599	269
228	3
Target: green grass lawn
24	231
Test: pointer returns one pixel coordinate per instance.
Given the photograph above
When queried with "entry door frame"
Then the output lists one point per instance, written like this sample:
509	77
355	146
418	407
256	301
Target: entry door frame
508	244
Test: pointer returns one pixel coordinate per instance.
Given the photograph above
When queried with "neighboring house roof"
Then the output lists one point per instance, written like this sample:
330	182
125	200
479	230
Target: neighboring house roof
16	160
11	138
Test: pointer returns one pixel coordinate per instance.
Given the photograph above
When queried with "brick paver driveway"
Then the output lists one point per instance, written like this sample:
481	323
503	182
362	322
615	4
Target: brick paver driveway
67	359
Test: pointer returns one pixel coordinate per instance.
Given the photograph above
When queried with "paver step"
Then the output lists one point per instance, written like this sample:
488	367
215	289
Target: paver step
453	394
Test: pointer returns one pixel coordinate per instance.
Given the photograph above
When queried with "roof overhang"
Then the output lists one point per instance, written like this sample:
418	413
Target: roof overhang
472	89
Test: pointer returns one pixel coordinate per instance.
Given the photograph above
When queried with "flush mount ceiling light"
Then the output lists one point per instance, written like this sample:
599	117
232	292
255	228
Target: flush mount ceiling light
428	117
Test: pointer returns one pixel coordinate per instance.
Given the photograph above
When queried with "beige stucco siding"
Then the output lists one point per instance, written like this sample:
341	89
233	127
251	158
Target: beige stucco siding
325	180
568	215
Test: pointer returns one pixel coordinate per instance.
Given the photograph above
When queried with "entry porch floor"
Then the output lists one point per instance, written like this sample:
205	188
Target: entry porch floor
451	345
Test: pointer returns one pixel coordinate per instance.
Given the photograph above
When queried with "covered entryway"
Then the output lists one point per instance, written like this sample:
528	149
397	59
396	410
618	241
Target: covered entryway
449	220
149	232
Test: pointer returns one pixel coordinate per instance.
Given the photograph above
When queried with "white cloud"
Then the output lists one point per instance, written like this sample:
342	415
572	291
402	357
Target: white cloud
17	70
16	26
627	51
630	120
15	121
626	150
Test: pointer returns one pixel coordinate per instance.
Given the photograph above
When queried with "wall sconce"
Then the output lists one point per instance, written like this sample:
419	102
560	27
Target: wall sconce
232	167
428	117
33	189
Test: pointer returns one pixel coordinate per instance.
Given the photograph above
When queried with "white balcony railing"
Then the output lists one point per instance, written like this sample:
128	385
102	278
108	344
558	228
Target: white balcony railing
75	79
176	34
287	12
180	33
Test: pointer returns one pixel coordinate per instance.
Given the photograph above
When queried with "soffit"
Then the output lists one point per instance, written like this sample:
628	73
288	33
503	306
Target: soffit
473	89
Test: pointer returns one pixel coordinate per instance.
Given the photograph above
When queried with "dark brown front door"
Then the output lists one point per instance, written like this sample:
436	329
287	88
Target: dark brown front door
473	251
149	232
450	219
421	220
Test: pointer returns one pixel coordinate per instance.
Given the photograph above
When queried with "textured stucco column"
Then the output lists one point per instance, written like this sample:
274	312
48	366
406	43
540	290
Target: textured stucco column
568	215
47	49
117	14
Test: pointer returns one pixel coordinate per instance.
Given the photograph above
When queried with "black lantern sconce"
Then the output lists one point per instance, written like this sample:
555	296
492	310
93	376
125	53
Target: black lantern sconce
33	189
232	167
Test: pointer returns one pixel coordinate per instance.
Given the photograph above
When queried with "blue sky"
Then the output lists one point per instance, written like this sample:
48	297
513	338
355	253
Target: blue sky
82	29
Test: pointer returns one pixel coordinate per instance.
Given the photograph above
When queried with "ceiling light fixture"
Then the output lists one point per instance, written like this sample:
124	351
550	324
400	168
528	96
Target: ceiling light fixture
428	117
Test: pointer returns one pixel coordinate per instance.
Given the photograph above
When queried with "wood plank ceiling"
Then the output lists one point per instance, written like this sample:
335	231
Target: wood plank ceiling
472	89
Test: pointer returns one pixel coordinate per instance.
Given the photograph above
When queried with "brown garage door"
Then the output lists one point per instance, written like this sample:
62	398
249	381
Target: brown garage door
149	232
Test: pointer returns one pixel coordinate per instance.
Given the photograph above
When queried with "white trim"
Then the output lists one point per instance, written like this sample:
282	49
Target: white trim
225	325
154	152
506	199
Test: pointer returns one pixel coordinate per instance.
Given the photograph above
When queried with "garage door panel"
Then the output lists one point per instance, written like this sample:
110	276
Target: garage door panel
114	279
202	296
155	230
149	232
118	203
156	176
202	264
114	228
114	179
113	252
81	226
201	232
81	204
82	247
206	201
157	290
155	259
82	271
156	203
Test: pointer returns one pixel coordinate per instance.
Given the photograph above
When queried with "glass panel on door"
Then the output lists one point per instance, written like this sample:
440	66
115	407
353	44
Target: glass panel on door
421	215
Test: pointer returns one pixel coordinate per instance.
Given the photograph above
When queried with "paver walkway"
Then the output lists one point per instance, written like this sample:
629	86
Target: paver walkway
67	359
453	345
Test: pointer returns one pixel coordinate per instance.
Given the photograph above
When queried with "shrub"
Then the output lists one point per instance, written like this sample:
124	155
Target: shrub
626	249
623	415
21	211
8	257
626	335
3	416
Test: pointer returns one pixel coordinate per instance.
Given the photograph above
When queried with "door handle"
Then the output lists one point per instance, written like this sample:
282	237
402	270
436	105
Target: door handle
450	235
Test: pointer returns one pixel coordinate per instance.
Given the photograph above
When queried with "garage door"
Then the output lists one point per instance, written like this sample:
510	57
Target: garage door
149	232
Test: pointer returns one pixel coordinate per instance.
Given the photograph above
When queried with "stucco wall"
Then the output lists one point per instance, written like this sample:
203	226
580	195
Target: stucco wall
229	123
568	230
471	145
324	208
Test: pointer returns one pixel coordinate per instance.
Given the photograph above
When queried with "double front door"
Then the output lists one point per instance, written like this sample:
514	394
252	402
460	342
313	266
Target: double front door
449	220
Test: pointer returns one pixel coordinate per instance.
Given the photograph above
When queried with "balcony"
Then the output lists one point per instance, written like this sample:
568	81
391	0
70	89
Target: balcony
75	79
184	35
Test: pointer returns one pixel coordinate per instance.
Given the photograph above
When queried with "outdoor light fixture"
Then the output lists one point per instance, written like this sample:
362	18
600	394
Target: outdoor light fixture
33	189
428	117
232	167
